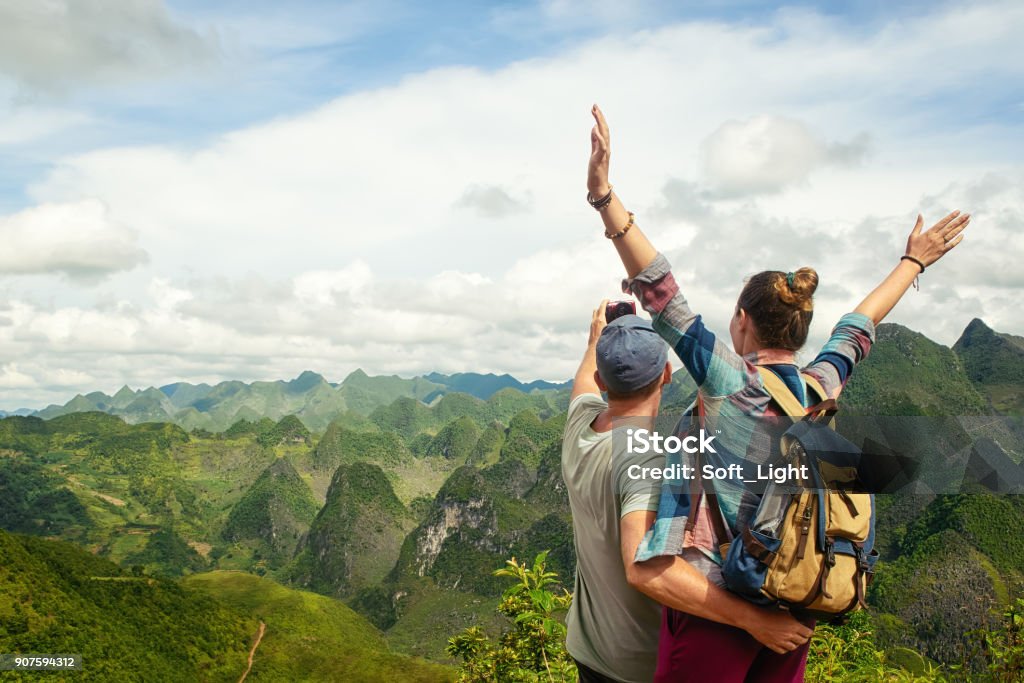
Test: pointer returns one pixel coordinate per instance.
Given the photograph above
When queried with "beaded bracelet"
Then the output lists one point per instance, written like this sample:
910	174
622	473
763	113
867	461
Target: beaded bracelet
620	233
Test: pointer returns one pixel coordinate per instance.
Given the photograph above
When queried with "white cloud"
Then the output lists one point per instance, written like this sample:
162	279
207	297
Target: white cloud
490	201
21	126
767	153
439	224
77	239
321	287
54	44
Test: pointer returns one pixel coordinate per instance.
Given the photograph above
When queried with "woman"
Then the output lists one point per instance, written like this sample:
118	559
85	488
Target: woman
769	325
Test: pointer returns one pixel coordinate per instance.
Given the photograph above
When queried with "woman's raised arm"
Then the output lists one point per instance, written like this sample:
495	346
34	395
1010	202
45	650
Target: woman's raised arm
635	250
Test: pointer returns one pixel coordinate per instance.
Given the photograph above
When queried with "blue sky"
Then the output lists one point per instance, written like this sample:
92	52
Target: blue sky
202	191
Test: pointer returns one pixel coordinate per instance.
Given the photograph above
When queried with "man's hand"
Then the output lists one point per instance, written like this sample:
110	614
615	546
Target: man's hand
931	245
584	382
598	322
779	631
600	153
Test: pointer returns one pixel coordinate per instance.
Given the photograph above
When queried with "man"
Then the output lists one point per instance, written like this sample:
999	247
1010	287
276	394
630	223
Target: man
612	627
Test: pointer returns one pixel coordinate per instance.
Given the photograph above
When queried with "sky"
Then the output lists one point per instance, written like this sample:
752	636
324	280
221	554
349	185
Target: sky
200	191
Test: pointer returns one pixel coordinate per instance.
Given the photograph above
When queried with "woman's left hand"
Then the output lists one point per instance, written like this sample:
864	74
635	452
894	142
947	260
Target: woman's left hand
931	245
600	153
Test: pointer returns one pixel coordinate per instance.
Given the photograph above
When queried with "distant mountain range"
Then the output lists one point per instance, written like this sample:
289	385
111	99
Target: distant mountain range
309	396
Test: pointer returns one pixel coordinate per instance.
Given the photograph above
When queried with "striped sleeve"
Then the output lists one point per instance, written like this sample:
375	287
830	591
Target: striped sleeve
849	344
714	366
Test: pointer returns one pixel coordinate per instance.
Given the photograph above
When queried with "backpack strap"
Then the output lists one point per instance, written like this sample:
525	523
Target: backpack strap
789	403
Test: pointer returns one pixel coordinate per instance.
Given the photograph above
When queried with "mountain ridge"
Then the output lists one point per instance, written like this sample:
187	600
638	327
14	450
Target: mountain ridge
309	396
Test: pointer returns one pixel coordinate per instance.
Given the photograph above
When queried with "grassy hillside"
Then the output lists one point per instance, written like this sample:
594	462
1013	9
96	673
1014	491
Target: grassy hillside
57	598
908	374
310	637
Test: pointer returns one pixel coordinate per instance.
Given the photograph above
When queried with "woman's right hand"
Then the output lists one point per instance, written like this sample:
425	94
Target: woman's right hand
932	244
600	152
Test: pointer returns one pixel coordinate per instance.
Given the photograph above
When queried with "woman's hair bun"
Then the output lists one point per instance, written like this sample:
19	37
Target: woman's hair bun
797	289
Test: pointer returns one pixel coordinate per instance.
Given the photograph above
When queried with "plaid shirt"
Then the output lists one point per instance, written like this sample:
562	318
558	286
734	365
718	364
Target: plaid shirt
735	401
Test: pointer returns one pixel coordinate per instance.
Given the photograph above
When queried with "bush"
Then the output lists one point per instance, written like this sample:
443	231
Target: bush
533	648
1002	649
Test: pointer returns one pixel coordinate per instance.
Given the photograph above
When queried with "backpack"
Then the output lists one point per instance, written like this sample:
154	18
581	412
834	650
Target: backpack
809	547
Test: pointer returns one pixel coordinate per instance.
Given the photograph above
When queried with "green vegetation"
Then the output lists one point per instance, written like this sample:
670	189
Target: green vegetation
354	538
415	494
456	440
168	554
274	512
57	598
1002	649
995	364
908	374
289	430
849	653
35	501
532	649
340	445
487	448
310	637
528	434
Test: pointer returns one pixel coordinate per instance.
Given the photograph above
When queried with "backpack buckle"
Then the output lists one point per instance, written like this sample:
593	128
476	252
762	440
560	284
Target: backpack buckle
862	559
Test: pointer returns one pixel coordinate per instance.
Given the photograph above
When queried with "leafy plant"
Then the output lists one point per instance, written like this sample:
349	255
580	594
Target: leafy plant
1002	649
533	649
849	653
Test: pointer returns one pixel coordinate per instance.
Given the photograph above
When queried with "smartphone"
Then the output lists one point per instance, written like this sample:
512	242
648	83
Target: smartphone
617	309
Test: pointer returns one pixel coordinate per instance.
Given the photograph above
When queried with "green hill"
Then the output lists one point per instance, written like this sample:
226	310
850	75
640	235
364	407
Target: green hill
363	393
57	598
908	374
427	490
456	440
356	535
487	448
288	430
165	553
310	637
405	416
995	363
340	445
476	521
274	513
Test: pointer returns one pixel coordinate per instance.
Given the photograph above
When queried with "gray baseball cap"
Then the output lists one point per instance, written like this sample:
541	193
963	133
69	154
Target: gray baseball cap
630	354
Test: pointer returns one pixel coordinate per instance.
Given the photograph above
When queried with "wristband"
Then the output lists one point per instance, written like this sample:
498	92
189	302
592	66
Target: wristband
603	202
911	258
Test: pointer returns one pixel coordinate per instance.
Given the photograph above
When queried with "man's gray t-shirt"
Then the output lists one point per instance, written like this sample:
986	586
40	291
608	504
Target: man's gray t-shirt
612	627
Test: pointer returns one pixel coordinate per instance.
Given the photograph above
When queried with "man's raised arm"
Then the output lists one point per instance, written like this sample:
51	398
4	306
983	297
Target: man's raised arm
584	382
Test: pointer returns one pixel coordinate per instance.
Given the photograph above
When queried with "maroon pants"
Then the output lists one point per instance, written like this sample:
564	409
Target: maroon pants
695	649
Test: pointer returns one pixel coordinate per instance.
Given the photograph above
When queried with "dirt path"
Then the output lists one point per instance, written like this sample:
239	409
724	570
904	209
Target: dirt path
252	652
